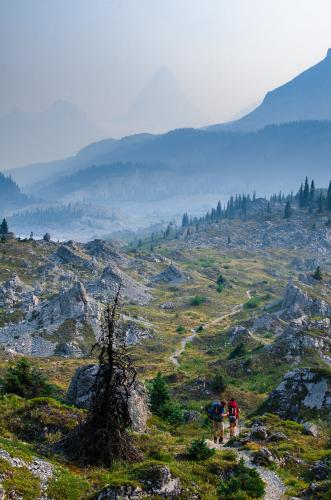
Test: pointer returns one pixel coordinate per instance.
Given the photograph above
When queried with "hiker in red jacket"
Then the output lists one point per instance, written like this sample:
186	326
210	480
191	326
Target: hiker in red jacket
233	414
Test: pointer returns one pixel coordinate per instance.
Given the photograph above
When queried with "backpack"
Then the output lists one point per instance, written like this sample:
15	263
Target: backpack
232	409
215	411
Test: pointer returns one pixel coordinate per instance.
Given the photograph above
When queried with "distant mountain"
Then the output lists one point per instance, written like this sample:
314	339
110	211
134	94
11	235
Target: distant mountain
190	162
11	196
55	133
160	106
306	97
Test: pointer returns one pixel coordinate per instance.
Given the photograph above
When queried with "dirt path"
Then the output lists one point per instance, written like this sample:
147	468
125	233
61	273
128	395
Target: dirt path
174	358
274	486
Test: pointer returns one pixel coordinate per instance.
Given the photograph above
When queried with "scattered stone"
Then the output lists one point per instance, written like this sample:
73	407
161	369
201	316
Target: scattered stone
191	416
311	429
80	394
239	334
263	457
259	433
157	480
277	436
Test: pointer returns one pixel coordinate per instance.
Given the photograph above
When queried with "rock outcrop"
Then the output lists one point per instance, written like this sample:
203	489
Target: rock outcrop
171	274
105	287
80	394
303	393
296	302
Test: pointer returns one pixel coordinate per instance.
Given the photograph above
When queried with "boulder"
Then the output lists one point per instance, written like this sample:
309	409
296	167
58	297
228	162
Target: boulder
263	457
296	302
106	286
157	480
302	392
277	436
120	493
68	254
239	334
320	471
259	433
80	394
171	274
311	429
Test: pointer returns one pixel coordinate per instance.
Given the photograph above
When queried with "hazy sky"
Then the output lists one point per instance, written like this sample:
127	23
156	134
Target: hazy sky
99	54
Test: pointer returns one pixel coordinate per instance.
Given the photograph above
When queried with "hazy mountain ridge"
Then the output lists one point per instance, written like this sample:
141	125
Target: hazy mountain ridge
305	97
54	133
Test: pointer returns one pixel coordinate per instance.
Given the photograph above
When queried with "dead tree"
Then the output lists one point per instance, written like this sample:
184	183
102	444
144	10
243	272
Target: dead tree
104	436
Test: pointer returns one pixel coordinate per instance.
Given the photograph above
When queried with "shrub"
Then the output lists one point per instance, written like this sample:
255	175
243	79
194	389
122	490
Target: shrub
217	383
221	280
181	329
238	351
200	329
172	412
252	303
27	381
161	403
198	300
219	288
158	392
243	484
199	450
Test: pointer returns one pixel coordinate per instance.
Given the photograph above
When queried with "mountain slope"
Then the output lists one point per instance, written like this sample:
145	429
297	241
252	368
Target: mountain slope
306	97
160	106
188	161
11	196
55	133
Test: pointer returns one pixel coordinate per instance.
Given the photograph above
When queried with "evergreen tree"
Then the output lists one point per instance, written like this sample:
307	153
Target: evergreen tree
306	193
321	203
185	221
328	198
159	393
4	227
268	208
26	381
301	200
288	210
312	193
317	275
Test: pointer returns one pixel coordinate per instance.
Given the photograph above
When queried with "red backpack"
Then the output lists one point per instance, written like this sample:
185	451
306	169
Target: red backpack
233	409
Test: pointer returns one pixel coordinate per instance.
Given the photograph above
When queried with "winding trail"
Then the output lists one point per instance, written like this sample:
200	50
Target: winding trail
174	358
274	486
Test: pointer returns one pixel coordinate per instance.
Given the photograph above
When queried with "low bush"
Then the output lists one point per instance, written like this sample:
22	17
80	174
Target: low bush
181	329
199	450
198	300
252	303
242	484
27	381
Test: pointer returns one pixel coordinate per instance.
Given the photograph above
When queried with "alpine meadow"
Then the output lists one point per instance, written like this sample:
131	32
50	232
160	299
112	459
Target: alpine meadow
165	250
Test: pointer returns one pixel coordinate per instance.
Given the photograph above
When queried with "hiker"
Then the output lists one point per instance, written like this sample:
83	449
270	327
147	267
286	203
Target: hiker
233	414
217	413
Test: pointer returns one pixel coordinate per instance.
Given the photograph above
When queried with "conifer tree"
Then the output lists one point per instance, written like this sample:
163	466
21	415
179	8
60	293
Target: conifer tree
306	193
4	227
318	274
312	193
321	203
328	198
288	210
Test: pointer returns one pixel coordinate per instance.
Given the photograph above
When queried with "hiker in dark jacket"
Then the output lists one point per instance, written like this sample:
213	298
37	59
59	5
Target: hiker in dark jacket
233	414
217	413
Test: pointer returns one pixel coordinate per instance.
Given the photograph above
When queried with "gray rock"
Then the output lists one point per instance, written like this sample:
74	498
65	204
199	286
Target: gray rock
277	436
239	334
168	306
301	391
68	254
121	493
171	274
311	429
259	433
157	480
191	416
80	394
263	457
321	470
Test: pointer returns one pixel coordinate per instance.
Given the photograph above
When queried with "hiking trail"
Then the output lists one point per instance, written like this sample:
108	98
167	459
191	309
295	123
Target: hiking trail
274	486
174	358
